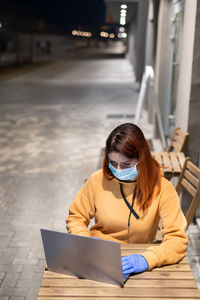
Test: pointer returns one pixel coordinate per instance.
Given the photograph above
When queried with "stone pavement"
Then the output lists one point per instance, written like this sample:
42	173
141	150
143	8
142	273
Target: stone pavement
53	123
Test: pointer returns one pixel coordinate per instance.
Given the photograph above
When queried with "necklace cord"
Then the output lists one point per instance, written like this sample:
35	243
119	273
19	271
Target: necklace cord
128	204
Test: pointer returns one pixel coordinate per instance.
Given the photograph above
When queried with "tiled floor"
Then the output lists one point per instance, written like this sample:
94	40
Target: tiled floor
53	123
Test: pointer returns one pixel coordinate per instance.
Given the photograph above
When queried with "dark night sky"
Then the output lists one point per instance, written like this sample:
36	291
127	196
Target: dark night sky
64	13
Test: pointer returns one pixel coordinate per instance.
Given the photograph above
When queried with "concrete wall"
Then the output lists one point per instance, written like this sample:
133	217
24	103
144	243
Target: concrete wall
55	41
188	103
22	48
137	30
140	39
194	108
149	48
184	86
131	42
161	61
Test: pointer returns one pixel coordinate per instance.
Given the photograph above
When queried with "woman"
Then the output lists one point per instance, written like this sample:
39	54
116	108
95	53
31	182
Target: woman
127	198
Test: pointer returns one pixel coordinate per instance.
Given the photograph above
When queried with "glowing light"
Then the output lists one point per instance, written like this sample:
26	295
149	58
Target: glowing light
123	11
123	14
112	35
0	25
81	33
124	34
121	29
104	34
122	21
124	6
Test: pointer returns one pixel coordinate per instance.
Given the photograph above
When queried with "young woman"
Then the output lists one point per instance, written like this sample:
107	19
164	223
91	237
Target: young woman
127	198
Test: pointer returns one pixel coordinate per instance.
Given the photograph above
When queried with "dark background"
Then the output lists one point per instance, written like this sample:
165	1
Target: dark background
51	16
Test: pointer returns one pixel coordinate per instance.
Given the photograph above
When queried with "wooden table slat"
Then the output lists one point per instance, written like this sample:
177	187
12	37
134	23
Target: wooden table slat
148	275
168	282
176	165
69	282
111	298
167	162
158	157
172	162
116	291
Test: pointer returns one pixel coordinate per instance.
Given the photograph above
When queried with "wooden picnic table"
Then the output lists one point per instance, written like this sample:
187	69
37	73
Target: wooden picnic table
172	162
168	282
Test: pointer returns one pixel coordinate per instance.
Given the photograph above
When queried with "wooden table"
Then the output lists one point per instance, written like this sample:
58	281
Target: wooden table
172	162
168	282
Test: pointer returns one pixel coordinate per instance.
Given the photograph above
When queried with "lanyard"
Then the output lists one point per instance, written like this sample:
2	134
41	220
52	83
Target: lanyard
130	206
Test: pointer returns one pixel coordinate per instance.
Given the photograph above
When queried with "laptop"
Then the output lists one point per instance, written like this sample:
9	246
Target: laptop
83	257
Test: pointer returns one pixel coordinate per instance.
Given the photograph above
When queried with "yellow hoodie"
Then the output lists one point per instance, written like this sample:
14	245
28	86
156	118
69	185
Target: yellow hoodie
102	199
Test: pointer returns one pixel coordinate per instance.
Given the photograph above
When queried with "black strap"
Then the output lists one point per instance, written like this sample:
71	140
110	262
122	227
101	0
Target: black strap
128	204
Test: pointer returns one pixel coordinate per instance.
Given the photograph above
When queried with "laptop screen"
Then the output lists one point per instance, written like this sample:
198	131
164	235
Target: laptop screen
83	257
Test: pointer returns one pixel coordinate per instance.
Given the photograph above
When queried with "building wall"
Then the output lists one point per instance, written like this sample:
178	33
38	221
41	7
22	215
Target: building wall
20	48
188	102
149	48
194	107
161	60
140	38
137	37
184	87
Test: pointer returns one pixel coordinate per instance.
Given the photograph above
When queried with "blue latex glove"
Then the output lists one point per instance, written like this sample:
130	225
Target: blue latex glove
134	263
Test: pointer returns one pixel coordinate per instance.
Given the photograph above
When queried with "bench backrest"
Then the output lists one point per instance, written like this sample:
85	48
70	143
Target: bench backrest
189	180
179	141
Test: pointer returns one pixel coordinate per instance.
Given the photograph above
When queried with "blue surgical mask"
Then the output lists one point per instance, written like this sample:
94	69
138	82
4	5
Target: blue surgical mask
124	174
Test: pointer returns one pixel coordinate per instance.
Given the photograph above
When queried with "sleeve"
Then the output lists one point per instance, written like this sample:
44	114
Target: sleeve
174	244
82	210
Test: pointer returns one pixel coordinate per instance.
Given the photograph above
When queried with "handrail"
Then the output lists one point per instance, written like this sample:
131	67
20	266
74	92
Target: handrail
148	78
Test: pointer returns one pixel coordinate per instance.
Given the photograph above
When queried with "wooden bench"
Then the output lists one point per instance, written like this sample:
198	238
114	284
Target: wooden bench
171	162
188	180
179	141
168	282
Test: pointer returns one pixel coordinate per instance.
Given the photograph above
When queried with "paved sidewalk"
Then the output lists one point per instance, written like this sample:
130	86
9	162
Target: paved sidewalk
53	123
193	252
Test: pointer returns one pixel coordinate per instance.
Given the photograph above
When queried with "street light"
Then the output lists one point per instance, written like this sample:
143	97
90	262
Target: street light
123	14
123	6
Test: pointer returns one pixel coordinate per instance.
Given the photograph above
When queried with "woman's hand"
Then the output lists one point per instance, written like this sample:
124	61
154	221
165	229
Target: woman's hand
134	263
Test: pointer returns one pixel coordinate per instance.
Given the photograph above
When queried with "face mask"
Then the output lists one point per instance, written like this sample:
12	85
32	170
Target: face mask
124	174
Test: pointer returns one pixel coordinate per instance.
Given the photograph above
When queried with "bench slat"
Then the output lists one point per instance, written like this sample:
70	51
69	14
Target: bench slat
175	162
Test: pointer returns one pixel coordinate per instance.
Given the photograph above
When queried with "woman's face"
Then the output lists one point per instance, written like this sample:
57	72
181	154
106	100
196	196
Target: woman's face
120	161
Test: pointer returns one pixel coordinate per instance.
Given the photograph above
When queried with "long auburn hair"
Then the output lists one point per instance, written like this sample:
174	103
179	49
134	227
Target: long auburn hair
129	140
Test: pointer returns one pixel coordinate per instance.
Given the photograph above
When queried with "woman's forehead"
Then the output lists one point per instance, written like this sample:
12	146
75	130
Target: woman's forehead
117	156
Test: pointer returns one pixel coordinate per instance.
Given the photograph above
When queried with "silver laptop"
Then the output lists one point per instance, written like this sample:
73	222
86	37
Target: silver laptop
83	257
